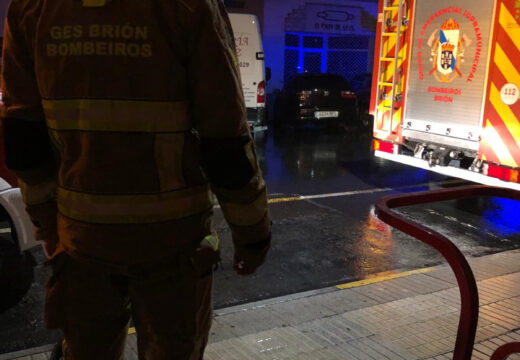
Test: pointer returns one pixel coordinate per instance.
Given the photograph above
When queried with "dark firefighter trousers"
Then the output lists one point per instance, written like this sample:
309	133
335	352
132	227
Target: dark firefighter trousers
92	305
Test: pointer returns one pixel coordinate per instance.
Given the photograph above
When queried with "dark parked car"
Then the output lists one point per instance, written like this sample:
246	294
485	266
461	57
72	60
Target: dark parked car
316	100
362	85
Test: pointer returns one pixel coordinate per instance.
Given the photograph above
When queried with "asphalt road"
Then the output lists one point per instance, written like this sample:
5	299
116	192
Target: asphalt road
329	239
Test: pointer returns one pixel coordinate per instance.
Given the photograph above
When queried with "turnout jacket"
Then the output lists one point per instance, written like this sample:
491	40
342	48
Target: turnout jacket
123	119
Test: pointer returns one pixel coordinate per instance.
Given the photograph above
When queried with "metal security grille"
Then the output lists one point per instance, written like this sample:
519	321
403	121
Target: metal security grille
292	63
318	53
347	63
312	62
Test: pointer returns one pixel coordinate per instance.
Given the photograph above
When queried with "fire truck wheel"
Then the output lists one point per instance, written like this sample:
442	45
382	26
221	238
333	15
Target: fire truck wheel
16	272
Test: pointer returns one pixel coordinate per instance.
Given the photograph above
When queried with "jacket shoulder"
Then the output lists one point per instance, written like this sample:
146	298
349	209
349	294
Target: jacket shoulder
21	8
23	15
201	6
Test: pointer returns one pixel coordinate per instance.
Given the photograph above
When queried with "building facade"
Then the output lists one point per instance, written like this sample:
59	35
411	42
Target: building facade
318	36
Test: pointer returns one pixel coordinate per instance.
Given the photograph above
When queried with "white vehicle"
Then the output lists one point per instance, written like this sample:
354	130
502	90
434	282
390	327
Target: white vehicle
16	232
252	68
16	237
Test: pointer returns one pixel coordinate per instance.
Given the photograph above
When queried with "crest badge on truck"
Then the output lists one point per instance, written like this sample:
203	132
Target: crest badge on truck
448	45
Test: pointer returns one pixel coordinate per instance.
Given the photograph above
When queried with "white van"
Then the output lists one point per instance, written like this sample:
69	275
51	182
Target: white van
252	68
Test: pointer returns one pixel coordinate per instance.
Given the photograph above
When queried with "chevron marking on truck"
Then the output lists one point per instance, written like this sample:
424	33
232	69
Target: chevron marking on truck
487	152
397	119
499	148
507	20
501	136
511	131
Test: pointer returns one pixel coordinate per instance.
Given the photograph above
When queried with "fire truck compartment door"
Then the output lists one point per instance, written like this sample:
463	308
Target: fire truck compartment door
450	53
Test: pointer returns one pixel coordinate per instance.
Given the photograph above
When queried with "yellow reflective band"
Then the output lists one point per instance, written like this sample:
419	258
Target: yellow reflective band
212	241
246	214
126	209
117	115
37	194
94	3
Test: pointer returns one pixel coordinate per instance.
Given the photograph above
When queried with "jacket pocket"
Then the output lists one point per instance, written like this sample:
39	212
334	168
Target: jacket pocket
204	259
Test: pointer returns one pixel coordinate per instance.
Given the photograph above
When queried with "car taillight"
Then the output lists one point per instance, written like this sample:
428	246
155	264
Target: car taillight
305	95
348	95
260	93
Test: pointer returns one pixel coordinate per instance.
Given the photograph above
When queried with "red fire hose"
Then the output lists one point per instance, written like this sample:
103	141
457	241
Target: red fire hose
458	263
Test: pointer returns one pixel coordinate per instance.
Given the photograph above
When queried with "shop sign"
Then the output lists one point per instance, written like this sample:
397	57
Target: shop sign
334	19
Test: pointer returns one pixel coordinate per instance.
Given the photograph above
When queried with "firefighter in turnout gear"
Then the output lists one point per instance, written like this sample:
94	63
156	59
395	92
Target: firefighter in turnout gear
122	120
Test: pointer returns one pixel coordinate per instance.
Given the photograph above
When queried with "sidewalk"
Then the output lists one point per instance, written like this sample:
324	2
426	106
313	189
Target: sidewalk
413	316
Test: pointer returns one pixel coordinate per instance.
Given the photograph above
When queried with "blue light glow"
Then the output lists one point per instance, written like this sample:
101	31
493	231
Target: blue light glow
502	216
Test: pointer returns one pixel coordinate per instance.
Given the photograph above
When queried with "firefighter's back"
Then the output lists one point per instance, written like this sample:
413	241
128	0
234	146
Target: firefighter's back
116	97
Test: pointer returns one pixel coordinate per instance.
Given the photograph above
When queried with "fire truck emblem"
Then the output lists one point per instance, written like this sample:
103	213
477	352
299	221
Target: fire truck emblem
447	51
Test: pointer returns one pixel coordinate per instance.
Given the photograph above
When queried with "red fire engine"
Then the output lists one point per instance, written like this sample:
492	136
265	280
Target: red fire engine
445	91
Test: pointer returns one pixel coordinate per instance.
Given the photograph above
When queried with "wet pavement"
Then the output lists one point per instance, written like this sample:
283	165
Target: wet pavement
329	239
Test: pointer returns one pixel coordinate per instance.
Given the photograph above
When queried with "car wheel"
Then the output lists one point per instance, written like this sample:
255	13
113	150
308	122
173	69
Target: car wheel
16	272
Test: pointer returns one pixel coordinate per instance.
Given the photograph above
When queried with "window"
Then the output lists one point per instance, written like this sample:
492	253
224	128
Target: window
292	40
313	42
347	63
312	62
292	61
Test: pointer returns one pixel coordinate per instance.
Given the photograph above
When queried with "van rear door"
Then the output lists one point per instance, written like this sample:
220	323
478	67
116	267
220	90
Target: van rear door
251	62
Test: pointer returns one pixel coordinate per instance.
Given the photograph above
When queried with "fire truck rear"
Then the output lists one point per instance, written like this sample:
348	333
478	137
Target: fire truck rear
445	91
